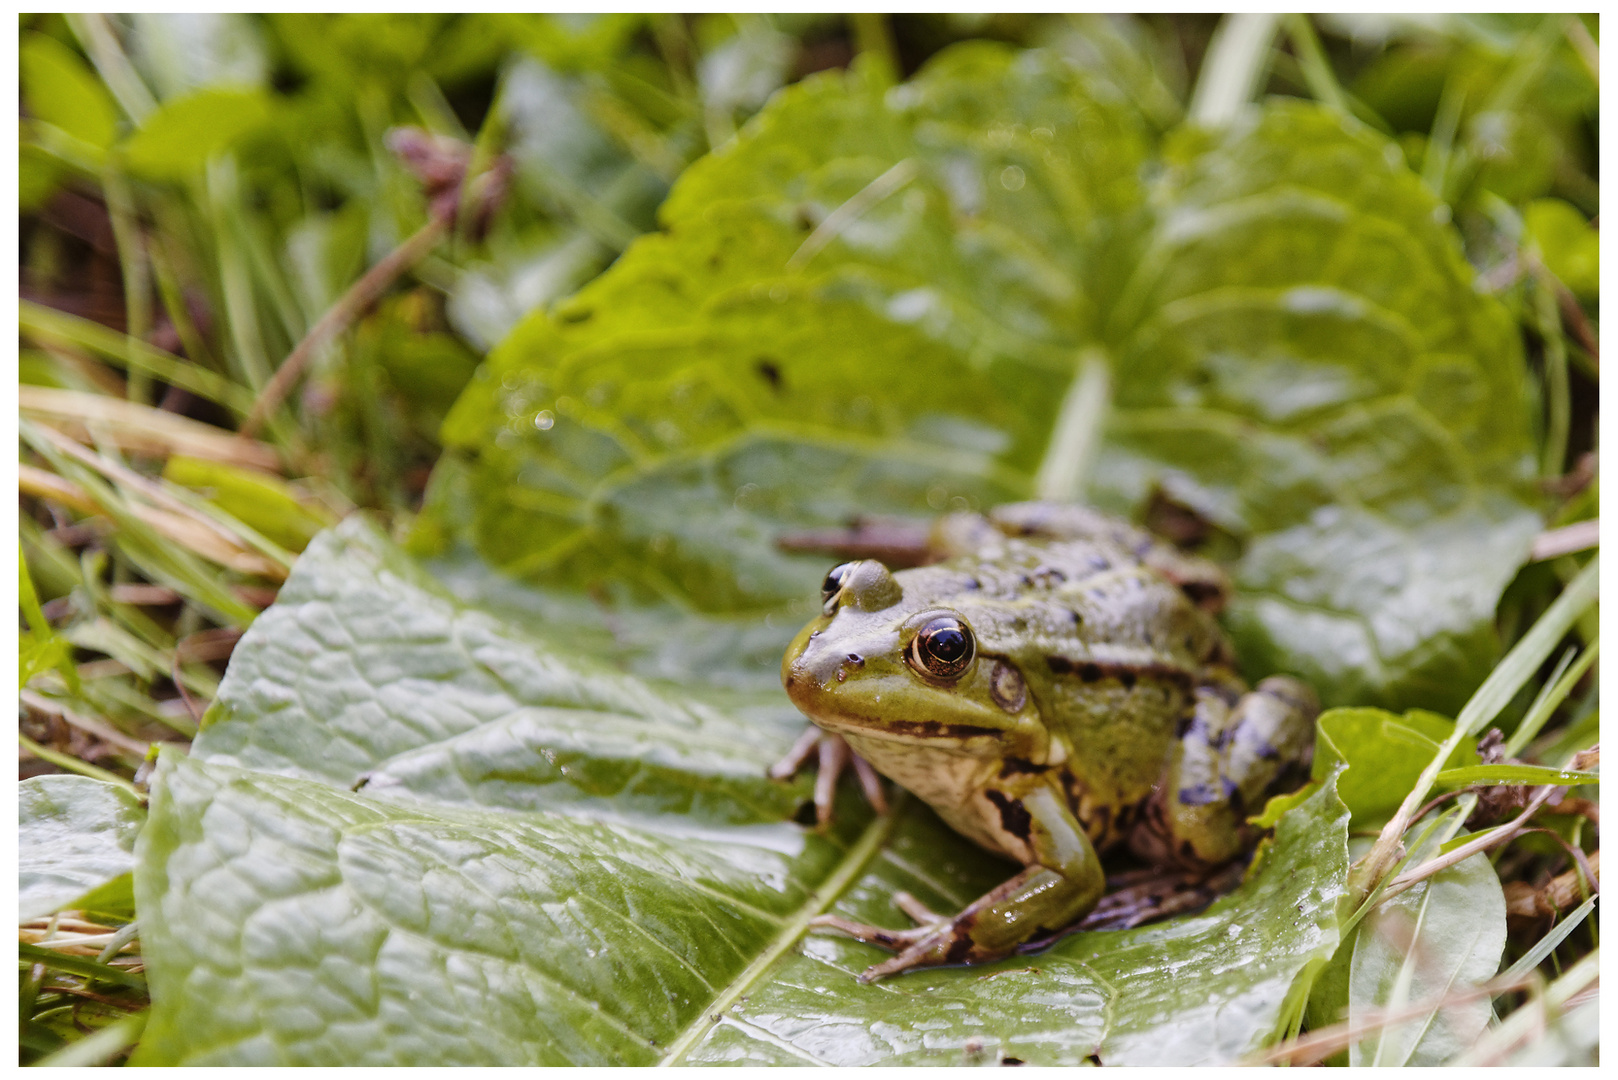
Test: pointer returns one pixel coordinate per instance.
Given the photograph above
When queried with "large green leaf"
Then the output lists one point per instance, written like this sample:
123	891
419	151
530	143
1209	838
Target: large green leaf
74	836
552	861
872	303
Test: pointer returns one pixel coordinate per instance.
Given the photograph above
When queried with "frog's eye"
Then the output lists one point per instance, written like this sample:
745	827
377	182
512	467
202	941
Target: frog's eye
834	581
943	648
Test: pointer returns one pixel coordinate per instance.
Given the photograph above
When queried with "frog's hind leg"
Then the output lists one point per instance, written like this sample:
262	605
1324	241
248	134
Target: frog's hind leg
1061	885
1230	754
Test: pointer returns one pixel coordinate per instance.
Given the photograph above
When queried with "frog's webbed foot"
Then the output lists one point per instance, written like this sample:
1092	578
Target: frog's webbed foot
933	940
927	922
835	756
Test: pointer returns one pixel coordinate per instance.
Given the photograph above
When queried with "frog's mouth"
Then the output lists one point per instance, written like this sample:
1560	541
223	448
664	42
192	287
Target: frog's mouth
848	710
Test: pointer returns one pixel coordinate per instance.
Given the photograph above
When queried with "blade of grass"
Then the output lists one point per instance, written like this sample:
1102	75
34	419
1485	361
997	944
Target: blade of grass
1517	774
1497	690
73	764
126	235
360	296
1545	945
98	1048
48	325
222	198
1549	701
1238	56
142	428
1558	405
114	67
1495	1043
1317	70
177	500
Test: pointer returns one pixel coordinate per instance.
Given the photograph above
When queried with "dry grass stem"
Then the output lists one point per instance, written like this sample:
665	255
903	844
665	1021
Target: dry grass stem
142	429
90	726
1579	536
1319	1045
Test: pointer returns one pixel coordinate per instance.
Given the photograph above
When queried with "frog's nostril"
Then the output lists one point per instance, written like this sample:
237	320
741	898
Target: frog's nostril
856	659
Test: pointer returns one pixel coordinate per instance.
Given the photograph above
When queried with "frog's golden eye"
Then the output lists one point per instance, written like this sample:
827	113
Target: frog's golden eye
943	648
834	581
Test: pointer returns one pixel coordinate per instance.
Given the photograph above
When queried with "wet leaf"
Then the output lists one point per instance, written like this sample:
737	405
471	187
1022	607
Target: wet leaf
74	835
551	861
1385	753
871	304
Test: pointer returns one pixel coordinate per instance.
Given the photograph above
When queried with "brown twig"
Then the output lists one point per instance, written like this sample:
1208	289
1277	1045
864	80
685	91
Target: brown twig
1492	839
204	645
354	303
1577	325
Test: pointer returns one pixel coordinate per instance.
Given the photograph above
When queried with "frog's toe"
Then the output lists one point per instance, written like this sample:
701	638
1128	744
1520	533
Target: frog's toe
835	757
807	743
918	911
897	940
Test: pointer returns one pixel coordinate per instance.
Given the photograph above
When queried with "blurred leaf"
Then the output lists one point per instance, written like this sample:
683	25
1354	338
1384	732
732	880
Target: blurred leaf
262	502
74	835
1443	936
1516	774
178	138
38	178
1385	753
490	298
1569	245
60	89
578	41
551	862
183	51
39	647
1269	308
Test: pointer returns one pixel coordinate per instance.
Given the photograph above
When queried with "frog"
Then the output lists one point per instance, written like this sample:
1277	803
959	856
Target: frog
1054	684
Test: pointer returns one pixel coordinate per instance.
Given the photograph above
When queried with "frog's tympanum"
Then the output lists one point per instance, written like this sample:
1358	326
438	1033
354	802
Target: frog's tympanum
1055	686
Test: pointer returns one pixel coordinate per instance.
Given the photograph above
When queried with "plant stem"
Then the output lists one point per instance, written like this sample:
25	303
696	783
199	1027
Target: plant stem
1317	70
1070	457
73	764
1235	64
360	296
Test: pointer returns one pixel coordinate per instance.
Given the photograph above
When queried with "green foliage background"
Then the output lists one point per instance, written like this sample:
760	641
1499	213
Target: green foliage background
486	783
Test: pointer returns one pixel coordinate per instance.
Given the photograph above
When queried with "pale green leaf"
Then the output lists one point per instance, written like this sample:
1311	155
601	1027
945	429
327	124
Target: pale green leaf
1441	937
75	834
177	140
59	88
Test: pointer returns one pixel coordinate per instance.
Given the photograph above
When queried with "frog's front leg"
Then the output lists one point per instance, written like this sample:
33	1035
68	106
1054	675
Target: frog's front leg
835	755
1226	761
1060	885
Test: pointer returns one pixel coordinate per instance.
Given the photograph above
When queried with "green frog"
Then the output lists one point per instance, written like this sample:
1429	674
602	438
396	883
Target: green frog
1056	685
